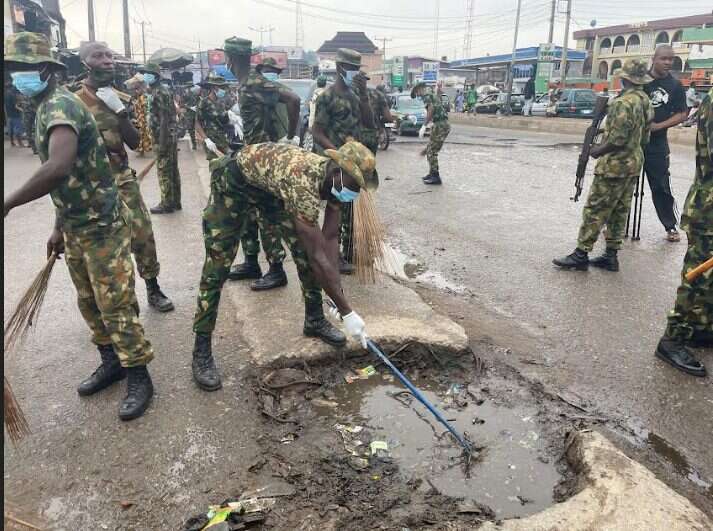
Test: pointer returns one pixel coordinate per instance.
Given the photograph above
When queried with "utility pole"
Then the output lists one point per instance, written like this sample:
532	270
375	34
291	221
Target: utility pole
383	40
511	69
200	57
435	36
90	19
563	64
127	38
299	25
143	39
552	22
468	38
262	30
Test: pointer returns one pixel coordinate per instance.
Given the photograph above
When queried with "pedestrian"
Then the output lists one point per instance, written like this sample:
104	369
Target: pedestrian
692	99
669	101
109	111
691	320
213	117
441	128
13	114
529	94
28	109
265	106
90	227
163	118
620	157
472	99
459	101
342	111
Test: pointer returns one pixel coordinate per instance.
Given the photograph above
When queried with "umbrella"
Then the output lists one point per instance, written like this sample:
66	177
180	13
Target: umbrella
171	58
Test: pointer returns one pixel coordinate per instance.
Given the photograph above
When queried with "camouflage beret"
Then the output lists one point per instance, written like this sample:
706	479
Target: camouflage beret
150	68
29	48
238	46
213	80
268	61
348	57
636	71
356	159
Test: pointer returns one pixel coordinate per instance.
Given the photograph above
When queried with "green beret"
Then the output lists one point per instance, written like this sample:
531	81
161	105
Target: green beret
238	46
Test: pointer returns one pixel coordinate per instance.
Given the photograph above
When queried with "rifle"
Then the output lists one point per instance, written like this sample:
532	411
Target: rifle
600	111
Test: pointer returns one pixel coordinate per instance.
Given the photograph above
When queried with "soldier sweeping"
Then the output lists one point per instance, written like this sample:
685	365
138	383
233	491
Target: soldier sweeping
441	128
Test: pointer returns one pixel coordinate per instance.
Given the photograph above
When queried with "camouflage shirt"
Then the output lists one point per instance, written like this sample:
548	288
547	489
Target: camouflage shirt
162	108
189	100
698	209
289	173
88	195
439	113
628	125
213	119
339	115
259	99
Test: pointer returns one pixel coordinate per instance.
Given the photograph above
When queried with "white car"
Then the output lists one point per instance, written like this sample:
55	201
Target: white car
539	107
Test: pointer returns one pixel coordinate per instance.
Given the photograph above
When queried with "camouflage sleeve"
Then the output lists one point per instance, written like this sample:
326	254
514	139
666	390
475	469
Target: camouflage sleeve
321	113
707	115
619	123
65	111
649	114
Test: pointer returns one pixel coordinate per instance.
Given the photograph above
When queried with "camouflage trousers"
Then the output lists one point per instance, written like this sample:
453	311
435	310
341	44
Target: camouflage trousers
269	235
439	132
99	263
370	138
143	243
169	178
190	124
28	123
346	231
224	222
608	204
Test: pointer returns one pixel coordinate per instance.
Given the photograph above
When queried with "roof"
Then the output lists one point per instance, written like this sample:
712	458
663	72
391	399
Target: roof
521	55
355	40
661	24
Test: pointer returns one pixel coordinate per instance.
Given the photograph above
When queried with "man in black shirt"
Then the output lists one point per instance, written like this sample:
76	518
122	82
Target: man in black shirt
12	114
669	101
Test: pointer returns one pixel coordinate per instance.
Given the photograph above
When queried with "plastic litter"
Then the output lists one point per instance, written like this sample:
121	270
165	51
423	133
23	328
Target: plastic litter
379	448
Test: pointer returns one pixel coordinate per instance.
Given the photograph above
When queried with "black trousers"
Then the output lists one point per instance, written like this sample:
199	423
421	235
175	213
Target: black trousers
656	166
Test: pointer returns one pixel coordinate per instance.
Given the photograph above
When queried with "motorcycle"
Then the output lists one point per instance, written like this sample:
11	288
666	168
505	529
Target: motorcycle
386	135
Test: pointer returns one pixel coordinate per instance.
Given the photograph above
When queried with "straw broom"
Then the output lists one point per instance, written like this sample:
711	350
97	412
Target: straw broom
369	238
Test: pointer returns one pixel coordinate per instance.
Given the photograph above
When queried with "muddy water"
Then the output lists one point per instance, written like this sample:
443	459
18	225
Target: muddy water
514	477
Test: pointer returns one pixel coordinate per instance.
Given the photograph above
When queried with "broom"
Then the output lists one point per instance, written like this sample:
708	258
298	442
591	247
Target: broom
16	328
369	238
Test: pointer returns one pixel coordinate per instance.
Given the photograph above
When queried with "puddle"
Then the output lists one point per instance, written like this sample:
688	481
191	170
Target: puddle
400	265
679	462
514	477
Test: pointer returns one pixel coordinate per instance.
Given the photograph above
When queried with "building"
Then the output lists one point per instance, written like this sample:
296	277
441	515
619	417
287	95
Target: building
607	48
38	16
371	56
298	64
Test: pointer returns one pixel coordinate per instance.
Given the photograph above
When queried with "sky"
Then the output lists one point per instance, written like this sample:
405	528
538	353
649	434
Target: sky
191	25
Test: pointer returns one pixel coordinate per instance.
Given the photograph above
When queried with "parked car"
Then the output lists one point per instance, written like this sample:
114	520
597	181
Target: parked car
409	114
539	106
487	104
304	88
492	103
576	103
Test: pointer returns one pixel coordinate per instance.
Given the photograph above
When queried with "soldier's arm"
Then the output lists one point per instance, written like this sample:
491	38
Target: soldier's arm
292	102
129	134
619	127
330	230
63	142
321	119
163	103
367	116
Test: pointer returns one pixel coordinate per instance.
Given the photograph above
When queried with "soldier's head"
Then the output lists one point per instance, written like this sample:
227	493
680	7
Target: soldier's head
269	69
663	60
322	81
348	64
99	60
32	66
151	73
237	56
353	168
634	72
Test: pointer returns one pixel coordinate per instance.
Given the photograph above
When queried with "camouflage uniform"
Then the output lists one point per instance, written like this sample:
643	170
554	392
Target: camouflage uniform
370	135
439	131
190	100
27	107
143	243
693	310
213	117
163	110
97	236
283	182
615	175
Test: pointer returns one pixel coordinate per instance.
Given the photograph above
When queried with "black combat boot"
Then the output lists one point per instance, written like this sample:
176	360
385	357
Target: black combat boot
578	260
316	325
427	177
608	260
107	373
156	297
139	390
160	209
701	339
435	178
274	278
205	373
345	268
249	269
676	354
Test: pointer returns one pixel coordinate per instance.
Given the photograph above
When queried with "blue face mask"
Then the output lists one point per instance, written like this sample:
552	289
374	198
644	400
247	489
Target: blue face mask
28	83
149	78
348	77
220	93
345	195
271	76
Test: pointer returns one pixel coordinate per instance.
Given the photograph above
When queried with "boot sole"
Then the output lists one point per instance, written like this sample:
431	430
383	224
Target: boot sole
308	333
700	373
139	412
209	388
575	268
162	309
257	276
273	286
606	268
99	389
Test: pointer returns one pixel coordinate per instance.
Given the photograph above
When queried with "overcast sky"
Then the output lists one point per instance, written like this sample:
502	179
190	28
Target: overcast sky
409	23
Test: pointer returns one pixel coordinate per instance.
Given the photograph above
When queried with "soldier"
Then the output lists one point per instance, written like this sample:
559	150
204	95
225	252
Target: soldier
90	224
621	157
262	108
691	321
190	107
116	130
382	115
212	117
163	127
27	108
342	110
437	114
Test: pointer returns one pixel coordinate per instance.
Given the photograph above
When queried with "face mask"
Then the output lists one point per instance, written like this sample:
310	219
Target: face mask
348	77
149	78
220	93
28	83
345	195
101	76
271	76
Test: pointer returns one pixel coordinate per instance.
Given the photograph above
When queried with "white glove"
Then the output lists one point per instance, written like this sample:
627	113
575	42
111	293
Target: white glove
356	328
192	108
211	146
422	131
295	140
110	98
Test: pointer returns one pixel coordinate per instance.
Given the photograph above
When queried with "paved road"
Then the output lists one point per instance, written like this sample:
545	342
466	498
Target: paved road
489	235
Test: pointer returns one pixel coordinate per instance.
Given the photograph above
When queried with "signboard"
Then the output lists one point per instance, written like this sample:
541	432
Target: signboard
397	72
430	71
546	53
542	80
279	57
216	57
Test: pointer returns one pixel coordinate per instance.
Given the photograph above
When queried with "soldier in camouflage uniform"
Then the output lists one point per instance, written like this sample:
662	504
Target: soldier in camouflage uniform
691	320
113	123
342	111
440	130
270	112
27	108
382	115
91	226
189	102
212	116
621	157
163	126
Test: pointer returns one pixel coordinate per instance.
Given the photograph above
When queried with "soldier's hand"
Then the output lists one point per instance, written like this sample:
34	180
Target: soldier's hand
594	151
55	244
359	84
110	98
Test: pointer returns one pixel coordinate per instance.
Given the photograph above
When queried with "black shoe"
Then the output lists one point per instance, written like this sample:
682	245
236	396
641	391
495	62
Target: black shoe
157	299
608	260
701	340
316	325
434	178
205	373
345	268
177	207
248	270
160	209
274	278
107	373
426	177
139	390
578	260
676	354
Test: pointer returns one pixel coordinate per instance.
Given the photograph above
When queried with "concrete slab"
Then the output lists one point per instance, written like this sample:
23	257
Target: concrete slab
617	494
271	322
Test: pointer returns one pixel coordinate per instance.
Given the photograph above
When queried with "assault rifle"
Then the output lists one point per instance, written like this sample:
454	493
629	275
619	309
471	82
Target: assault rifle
600	111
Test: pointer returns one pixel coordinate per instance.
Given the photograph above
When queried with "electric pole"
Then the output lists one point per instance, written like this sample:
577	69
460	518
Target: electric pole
127	38
511	69
262	30
383	40
563	64
299	25
90	19
143	39
435	36
552	22
468	38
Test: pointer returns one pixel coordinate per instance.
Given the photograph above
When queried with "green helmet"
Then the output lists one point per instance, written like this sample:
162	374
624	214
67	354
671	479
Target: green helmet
322	81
